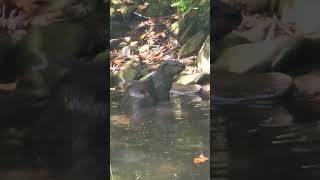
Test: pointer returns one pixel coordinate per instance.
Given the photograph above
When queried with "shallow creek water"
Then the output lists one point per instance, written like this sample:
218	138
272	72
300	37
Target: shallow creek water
161	143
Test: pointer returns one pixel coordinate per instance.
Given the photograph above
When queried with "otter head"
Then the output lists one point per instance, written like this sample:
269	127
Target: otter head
171	67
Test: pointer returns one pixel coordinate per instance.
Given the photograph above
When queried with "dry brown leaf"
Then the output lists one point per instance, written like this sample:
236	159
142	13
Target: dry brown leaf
157	52
158	57
141	8
201	159
149	55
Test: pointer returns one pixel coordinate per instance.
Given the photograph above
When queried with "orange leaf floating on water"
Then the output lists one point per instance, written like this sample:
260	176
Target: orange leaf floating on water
199	160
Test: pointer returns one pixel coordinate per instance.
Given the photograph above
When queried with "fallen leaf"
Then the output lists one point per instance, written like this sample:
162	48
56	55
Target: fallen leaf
199	160
158	57
142	7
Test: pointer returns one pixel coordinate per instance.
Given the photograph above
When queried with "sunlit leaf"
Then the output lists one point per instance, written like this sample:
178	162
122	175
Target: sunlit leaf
201	159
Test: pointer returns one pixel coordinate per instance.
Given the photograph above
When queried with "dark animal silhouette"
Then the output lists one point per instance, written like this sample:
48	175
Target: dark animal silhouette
153	90
71	138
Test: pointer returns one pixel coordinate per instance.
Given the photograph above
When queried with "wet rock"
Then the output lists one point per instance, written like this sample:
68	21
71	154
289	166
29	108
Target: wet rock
192	45
134	71
205	91
268	55
228	41
233	89
114	43
203	79
184	34
179	89
203	59
188	61
188	78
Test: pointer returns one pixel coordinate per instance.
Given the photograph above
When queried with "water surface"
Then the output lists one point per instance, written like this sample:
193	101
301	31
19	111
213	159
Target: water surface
160	143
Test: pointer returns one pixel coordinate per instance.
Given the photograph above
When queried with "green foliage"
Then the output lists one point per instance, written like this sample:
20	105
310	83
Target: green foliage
175	27
183	5
195	13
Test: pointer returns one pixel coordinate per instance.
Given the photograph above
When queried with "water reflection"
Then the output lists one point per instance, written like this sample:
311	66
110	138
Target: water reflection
160	143
243	145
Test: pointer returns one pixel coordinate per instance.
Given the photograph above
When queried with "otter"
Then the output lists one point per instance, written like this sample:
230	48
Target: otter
153	90
70	136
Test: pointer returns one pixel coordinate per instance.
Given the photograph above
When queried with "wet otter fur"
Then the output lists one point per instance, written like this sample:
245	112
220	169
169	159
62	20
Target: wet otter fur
155	89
